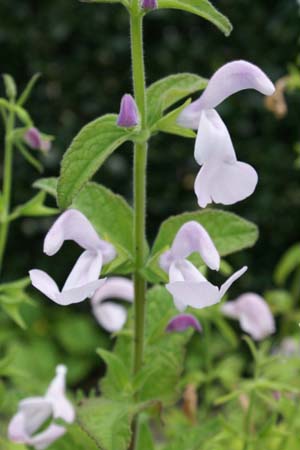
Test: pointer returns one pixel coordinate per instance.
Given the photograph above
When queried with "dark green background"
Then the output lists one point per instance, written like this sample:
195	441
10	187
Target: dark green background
83	53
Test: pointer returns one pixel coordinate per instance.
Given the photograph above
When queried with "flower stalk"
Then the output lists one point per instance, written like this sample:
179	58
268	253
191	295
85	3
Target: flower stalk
140	162
7	182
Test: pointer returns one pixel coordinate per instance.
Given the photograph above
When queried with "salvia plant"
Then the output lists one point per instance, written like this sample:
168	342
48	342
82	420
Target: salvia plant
178	377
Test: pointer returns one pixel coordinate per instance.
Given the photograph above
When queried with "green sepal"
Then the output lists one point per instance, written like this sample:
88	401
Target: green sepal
10	86
169	90
168	123
33	208
28	89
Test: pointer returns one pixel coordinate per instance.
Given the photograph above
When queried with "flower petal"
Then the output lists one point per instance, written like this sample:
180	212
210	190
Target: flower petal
182	322
192	237
235	276
77	295
115	287
195	294
73	225
33	138
42	440
226	183
32	413
253	313
110	316
229	79
213	140
56	395
128	115
86	270
44	283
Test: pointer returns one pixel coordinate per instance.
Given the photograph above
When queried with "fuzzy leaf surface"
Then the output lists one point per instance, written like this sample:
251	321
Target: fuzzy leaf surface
202	8
87	152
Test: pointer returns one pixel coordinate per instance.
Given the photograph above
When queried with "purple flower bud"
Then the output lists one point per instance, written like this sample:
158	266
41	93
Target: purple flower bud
33	138
182	322
149	4
128	115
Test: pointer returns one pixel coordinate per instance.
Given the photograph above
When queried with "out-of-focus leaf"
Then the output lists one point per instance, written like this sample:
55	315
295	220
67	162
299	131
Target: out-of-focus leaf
287	264
118	380
164	352
108	422
10	86
28	89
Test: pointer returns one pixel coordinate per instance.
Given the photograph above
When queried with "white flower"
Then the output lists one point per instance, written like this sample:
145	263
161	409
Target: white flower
33	412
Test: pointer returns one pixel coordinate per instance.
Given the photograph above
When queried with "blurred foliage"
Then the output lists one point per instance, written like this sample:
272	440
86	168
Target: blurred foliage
83	54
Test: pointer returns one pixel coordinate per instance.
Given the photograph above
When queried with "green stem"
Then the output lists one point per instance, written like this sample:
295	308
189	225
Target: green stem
7	181
140	163
247	426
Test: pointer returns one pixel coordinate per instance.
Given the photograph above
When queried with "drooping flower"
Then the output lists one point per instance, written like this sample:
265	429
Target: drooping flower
112	316
186	283
183	321
83	280
34	139
222	178
253	313
128	115
33	412
288	347
149	4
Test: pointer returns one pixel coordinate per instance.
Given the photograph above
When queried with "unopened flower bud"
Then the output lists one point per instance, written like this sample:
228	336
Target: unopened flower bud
149	4
128	115
34	139
182	322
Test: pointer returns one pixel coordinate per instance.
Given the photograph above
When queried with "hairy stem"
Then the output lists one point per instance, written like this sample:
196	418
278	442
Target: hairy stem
7	181
140	162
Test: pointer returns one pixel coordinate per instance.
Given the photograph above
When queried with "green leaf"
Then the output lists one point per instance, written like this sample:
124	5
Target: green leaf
144	438
168	123
88	151
10	86
118	380
287	264
202	8
165	92
48	185
13	312
27	91
229	232
164	352
108	422
34	207
74	439
112	218
12	296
